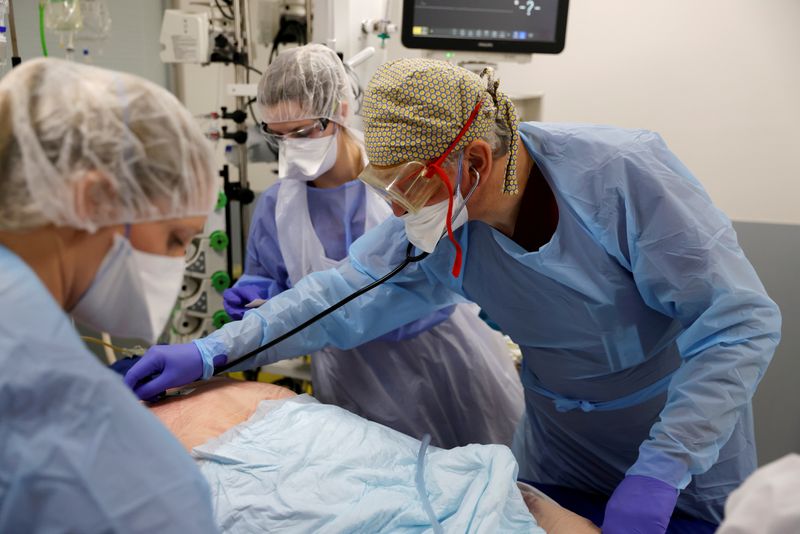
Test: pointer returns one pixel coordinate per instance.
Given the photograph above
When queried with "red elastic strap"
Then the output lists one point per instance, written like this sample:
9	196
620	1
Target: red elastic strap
436	167
461	133
457	263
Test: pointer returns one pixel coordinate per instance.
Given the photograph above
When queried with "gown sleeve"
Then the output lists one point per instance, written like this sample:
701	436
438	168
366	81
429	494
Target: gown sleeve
415	292
78	452
687	264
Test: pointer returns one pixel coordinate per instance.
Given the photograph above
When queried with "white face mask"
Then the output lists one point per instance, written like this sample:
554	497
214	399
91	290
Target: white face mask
306	159
426	227
132	294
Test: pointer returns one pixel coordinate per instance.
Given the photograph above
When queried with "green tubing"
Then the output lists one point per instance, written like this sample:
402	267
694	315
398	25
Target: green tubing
41	29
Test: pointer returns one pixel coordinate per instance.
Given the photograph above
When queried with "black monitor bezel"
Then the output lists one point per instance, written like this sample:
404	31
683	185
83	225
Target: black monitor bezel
474	45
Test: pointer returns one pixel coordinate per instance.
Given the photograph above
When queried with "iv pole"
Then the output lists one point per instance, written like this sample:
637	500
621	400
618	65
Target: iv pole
15	58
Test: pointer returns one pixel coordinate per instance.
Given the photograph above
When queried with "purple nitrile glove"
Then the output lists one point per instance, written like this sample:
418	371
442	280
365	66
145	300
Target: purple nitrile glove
234	299
166	366
640	505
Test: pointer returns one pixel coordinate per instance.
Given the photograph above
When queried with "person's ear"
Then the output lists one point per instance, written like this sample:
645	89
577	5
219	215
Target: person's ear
345	109
94	197
477	161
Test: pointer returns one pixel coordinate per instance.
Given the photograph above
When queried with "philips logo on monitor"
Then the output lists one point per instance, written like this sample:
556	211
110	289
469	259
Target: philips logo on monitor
485	44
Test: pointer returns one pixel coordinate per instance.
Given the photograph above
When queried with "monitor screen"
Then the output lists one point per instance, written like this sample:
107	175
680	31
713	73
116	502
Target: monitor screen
510	26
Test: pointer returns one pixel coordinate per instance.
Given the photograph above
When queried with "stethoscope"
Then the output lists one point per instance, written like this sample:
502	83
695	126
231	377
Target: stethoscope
409	259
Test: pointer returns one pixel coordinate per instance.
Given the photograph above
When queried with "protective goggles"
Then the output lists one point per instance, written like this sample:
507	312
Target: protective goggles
413	184
312	130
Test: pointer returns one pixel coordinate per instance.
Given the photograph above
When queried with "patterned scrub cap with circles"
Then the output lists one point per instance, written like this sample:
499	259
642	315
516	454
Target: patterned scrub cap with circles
414	108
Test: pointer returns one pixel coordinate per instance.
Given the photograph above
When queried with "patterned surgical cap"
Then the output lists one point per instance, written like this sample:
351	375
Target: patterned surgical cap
414	108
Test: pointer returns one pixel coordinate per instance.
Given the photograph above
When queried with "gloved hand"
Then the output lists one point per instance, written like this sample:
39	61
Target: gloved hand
235	298
640	505
166	366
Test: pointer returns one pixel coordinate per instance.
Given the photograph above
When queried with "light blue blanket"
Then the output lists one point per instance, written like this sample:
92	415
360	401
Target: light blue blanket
300	466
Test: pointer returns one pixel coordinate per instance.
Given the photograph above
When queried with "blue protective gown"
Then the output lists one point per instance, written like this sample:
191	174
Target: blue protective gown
644	328
458	371
78	453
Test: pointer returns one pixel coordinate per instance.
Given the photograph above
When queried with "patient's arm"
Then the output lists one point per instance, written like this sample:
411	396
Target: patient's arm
213	408
555	519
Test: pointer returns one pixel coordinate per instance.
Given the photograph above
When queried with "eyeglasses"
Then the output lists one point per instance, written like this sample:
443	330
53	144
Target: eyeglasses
314	129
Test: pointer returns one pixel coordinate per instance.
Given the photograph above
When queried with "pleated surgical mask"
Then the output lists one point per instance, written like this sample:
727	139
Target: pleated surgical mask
426	227
306	159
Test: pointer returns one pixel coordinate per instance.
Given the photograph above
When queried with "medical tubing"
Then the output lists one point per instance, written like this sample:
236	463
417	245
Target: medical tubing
324	313
420	481
221	10
42	36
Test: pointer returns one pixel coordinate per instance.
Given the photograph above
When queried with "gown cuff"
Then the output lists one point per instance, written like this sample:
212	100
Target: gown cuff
661	466
209	347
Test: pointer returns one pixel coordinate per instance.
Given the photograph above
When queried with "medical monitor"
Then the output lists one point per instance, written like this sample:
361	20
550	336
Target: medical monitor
508	26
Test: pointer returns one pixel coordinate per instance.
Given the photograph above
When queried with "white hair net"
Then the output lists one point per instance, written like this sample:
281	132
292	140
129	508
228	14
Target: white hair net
307	82
85	147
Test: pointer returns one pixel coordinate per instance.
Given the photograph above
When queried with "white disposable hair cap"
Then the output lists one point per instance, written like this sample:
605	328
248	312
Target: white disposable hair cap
86	147
307	82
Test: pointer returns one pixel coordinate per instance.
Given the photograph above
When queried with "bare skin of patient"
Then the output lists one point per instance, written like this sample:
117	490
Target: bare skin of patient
213	408
220	404
555	519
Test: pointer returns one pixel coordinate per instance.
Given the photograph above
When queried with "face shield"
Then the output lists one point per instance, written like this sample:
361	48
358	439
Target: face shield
412	184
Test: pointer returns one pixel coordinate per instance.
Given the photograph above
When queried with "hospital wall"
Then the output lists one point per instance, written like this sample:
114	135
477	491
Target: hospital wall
774	250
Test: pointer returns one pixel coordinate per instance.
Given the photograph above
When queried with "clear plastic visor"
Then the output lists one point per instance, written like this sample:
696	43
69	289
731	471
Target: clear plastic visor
408	184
